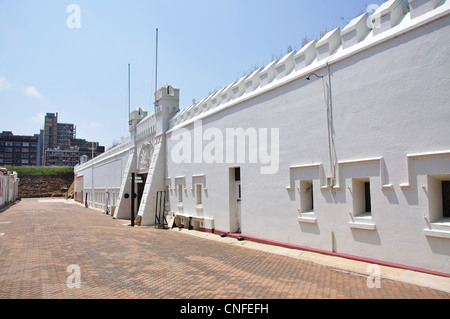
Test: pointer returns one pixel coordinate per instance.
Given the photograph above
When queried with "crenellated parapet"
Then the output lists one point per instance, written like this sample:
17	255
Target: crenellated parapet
420	7
146	128
363	32
355	31
387	16
329	44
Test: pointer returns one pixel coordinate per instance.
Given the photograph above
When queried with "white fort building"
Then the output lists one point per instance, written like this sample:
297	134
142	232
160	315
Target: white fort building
342	148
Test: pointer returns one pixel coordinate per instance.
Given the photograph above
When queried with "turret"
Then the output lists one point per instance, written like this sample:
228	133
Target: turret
167	104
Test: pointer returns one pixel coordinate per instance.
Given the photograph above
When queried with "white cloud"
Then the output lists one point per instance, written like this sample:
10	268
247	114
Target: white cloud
32	92
38	118
4	84
95	125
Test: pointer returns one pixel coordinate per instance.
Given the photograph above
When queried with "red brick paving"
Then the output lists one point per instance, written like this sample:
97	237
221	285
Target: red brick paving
42	238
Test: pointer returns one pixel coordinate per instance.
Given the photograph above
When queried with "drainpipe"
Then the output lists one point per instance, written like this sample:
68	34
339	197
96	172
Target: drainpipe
331	145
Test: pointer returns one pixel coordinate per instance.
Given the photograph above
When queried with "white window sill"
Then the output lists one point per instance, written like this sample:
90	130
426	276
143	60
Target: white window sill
437	233
442	224
307	218
363	221
439	229
364	216
364	226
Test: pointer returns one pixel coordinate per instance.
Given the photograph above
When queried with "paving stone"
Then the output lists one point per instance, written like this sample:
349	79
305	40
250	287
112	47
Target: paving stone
42	238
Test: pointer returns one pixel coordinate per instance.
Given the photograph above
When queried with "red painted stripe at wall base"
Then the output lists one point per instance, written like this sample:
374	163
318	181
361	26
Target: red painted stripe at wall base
329	253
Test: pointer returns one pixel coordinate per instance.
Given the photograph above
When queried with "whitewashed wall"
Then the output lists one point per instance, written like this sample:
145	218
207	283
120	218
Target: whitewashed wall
103	175
389	117
106	180
9	187
390	122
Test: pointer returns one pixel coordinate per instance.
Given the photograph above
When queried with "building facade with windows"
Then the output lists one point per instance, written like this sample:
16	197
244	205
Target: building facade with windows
65	134
57	134
61	157
340	148
16	150
50	131
60	145
70	156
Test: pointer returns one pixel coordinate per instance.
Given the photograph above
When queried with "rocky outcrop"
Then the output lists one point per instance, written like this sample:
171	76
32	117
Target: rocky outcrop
44	186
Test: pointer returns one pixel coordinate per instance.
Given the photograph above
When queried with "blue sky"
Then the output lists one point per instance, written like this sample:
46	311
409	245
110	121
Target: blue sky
82	73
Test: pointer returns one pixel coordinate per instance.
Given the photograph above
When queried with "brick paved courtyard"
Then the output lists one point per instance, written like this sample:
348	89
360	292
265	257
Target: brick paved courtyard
39	239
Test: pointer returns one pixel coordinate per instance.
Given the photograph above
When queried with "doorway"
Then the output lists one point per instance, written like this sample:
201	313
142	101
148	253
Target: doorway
446	199
235	199
140	185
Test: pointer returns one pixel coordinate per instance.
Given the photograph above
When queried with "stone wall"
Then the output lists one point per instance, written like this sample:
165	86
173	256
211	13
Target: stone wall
44	186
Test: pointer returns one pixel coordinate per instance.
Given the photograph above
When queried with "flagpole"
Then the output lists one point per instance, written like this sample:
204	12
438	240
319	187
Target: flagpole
129	93
156	68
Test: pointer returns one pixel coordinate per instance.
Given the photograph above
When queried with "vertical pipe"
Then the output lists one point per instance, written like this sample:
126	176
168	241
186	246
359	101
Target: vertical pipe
132	199
331	144
129	93
156	210
333	242
156	72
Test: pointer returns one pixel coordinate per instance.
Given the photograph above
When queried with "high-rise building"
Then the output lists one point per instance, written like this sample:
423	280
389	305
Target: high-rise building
50	130
65	133
17	150
60	145
57	134
55	145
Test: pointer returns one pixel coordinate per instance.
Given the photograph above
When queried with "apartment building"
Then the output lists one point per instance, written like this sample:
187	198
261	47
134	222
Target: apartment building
17	150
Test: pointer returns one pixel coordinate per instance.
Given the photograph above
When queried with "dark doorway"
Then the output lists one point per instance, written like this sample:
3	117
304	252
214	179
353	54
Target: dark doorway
446	198
140	188
368	203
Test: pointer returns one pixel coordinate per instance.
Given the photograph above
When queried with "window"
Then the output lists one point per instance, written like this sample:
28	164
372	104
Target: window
438	197
180	193
198	193
367	199
446	198
306	197
362	202
237	174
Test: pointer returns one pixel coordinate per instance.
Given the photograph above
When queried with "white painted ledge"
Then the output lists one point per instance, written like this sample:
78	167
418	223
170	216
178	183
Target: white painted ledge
363	226
199	208
437	233
307	218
